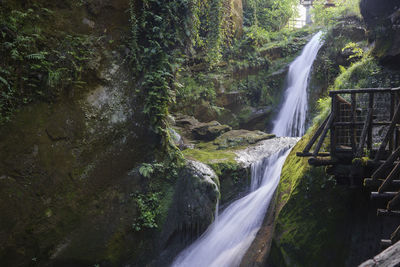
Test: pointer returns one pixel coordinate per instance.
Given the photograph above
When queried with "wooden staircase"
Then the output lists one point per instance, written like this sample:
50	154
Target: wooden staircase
357	117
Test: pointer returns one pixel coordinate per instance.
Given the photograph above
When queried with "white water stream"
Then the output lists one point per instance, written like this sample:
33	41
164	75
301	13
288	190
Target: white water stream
291	120
227	239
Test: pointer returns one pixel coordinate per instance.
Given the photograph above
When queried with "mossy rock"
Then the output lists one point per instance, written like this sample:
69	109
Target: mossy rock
237	138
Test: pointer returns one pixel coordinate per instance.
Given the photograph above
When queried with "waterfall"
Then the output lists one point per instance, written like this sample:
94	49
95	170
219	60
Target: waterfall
227	239
291	120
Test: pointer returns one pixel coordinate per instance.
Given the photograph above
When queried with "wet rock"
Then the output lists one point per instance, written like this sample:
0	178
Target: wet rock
209	131
264	149
388	258
383	22
192	210
236	138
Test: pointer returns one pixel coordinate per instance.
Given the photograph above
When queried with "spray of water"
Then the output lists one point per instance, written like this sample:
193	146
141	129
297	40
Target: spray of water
226	241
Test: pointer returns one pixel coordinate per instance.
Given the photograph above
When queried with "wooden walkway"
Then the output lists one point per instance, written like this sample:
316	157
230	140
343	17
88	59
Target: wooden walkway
361	139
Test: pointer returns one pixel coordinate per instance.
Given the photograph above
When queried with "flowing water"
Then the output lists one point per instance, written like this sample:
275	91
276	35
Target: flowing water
291	120
227	239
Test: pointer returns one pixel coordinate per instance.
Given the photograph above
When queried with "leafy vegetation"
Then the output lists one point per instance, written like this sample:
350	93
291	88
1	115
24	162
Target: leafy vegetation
35	67
148	207
328	17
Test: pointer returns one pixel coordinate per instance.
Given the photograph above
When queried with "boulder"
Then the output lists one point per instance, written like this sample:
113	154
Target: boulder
209	131
192	210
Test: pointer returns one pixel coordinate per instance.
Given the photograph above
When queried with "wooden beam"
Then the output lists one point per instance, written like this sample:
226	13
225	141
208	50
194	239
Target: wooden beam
363	137
378	123
379	173
316	135
388	135
395	201
323	135
391	213
393	174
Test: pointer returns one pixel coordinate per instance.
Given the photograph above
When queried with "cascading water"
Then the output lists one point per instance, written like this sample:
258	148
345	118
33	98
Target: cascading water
226	240
292	116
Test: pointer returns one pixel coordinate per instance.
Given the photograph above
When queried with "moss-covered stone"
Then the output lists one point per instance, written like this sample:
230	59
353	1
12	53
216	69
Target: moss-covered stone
236	138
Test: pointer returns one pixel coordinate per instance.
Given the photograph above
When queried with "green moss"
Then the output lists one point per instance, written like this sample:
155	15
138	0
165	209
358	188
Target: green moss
210	156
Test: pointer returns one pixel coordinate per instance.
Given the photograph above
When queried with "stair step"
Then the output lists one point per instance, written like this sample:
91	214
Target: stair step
383	212
385	243
369	182
386	195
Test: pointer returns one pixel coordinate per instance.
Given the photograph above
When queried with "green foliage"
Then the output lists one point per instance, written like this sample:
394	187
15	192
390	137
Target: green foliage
271	15
34	67
148	208
191	91
330	16
362	74
356	50
257	36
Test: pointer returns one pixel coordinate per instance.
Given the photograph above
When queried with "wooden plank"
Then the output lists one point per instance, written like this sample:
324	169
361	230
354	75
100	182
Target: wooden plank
385	243
317	134
379	173
360	91
369	182
388	195
363	137
395	201
389	213
323	135
388	135
393	174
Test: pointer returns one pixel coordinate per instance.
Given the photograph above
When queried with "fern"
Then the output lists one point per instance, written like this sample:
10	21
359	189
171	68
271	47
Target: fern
4	81
37	56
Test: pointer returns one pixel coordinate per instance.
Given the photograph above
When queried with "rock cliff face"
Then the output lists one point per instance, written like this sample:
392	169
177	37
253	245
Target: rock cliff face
383	21
65	191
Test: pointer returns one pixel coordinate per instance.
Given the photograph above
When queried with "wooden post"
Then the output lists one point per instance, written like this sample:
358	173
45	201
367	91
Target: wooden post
316	135
333	128
392	98
322	138
371	106
364	133
353	120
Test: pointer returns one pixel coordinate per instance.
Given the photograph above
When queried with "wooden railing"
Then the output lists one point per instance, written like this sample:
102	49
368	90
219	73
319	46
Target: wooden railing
362	122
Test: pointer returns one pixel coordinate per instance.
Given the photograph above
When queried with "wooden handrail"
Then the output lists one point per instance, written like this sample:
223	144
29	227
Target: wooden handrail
362	91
